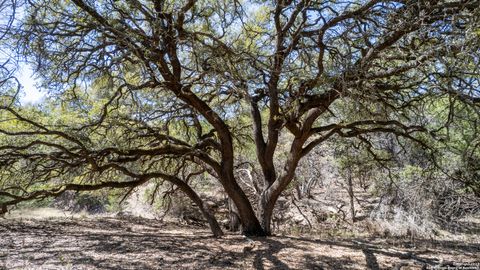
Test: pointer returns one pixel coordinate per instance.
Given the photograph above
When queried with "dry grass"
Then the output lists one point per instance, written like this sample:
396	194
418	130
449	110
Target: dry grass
40	213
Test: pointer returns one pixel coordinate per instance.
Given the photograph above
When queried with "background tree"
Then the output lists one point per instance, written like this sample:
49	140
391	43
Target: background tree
180	81
8	12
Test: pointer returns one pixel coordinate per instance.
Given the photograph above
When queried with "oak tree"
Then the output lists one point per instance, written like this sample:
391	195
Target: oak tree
159	89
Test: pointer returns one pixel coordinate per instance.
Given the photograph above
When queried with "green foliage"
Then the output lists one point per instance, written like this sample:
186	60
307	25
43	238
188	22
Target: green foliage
46	202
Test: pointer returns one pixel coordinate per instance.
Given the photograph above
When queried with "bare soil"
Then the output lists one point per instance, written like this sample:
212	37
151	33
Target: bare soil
136	243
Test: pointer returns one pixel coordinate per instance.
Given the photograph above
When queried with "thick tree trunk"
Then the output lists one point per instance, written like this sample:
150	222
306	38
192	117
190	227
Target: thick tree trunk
265	212
250	224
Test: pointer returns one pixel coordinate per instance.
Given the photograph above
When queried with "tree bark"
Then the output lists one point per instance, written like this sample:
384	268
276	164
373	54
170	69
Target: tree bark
265	212
212	221
351	195
235	224
250	224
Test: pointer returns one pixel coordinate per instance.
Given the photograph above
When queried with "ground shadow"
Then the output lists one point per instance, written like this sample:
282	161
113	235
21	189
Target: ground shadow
111	243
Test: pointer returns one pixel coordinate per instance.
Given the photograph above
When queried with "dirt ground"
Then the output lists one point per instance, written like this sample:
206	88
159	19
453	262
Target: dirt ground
114	243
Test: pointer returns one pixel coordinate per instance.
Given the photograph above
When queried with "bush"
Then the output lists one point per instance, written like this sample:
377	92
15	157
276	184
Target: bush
78	202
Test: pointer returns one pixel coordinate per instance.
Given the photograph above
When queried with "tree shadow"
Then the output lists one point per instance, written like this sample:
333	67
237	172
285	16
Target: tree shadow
269	254
321	262
372	248
106	244
463	227
370	259
145	244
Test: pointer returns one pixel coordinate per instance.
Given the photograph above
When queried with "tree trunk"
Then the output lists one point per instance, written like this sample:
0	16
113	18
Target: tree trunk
274	186
235	224
265	214
265	211
212	221
249	221
250	224
351	195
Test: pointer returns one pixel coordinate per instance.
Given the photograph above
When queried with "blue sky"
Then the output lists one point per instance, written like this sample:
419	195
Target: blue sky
30	92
